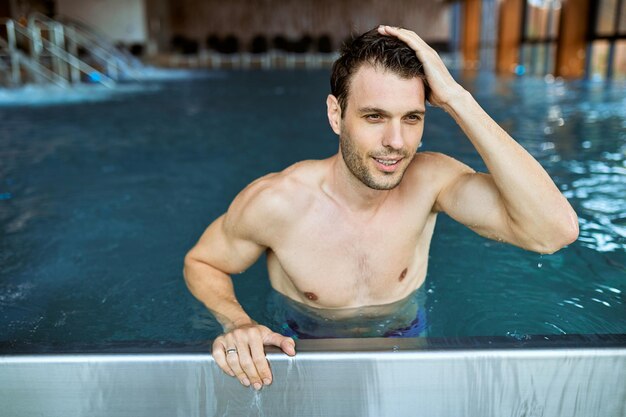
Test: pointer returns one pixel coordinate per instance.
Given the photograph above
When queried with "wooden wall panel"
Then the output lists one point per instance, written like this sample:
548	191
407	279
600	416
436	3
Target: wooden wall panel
470	39
572	43
509	36
197	19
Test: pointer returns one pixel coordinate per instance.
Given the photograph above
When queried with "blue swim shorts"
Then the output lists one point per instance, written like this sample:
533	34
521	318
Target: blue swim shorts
291	328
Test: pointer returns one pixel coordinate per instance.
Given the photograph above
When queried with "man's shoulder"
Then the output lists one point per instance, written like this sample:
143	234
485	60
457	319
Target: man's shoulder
430	166
432	158
432	172
287	187
279	196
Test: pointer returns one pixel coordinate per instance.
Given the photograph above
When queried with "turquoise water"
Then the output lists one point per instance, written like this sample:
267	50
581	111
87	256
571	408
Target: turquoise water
101	199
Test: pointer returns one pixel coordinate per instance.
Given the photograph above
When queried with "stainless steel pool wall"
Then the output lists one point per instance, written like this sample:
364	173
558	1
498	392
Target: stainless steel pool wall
371	377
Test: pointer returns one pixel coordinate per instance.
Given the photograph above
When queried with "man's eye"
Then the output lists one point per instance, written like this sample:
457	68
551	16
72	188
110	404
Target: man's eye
373	117
414	118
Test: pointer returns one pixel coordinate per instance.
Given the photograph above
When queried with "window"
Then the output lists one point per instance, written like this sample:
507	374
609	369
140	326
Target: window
599	58
607	40
619	59
605	20
540	27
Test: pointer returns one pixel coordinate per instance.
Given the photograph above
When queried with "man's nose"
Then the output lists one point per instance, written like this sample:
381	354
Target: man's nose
393	136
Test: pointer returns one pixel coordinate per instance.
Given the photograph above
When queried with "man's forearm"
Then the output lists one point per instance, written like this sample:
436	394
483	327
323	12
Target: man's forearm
240	351
215	290
534	204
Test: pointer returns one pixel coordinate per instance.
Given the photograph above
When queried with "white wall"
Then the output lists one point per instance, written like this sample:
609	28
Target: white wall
120	20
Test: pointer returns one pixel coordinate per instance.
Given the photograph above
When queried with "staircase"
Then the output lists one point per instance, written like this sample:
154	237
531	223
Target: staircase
60	52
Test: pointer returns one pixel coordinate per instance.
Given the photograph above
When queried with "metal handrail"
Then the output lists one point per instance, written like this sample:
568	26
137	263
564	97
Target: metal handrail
4	68
56	36
75	38
65	56
101	40
18	58
130	65
54	53
9	46
109	55
56	33
40	71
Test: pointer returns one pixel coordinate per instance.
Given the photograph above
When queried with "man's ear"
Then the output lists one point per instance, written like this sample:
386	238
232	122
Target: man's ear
334	113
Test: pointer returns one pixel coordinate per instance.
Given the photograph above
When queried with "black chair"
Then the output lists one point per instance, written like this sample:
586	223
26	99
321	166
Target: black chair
259	45
230	45
136	49
303	44
280	43
184	45
213	42
191	47
324	44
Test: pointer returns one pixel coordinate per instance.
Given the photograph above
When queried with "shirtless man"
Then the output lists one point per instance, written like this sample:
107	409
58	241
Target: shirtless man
354	230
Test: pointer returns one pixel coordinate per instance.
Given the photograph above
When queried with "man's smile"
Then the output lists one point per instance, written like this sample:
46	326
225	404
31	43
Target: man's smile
387	164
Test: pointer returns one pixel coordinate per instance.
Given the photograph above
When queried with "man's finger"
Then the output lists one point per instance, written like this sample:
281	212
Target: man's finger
286	344
219	355
260	361
246	362
408	36
233	360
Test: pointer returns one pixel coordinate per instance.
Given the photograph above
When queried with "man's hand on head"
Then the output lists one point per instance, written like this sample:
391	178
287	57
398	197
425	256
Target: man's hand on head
240	353
442	86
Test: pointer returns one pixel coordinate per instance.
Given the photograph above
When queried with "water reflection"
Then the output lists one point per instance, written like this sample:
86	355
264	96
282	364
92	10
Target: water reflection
583	146
577	131
600	191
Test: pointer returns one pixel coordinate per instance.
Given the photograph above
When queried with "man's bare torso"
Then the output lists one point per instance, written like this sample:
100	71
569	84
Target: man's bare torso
331	257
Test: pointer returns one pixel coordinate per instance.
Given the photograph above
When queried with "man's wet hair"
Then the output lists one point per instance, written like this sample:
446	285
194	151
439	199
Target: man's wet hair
386	52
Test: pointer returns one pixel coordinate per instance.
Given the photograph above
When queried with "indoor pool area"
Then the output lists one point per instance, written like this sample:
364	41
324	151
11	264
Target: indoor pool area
103	190
101	201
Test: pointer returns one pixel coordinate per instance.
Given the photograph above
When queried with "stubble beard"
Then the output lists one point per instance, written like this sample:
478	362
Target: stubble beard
358	166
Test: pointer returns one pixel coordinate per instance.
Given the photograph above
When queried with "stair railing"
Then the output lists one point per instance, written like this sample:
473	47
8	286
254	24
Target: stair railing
19	60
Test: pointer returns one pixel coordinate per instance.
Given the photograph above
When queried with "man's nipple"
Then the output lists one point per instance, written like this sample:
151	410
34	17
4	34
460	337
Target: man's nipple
310	296
403	275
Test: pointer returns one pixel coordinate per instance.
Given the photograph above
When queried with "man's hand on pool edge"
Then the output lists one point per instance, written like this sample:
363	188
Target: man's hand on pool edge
240	353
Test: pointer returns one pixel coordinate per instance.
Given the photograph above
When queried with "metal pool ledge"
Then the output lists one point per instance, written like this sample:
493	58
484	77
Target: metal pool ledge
349	377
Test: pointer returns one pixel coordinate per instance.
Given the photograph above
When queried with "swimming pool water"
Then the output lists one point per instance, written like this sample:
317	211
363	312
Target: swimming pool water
100	200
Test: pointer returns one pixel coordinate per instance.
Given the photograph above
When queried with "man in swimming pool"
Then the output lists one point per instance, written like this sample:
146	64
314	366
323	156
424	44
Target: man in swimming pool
354	230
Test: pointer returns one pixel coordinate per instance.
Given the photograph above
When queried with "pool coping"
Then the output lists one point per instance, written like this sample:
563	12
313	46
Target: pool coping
569	341
565	375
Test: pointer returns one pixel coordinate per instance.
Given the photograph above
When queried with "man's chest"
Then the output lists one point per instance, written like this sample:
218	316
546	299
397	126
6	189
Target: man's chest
335	261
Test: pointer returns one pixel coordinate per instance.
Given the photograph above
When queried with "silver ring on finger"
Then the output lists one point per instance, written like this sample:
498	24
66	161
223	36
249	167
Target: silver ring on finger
231	350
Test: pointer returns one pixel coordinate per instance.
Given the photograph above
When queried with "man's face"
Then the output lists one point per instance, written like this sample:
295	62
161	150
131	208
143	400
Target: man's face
382	126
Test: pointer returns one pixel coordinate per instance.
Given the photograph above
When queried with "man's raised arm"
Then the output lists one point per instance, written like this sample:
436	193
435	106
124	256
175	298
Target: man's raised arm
517	202
229	246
